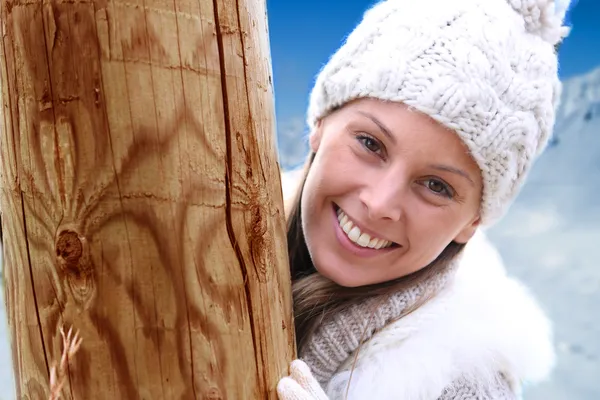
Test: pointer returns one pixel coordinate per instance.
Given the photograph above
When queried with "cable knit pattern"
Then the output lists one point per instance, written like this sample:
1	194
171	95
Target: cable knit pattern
486	69
336	339
465	390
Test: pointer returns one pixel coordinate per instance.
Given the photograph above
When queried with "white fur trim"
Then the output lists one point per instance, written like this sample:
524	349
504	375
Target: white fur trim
484	324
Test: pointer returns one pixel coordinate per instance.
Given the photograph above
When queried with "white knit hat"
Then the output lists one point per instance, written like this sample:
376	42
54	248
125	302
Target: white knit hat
486	69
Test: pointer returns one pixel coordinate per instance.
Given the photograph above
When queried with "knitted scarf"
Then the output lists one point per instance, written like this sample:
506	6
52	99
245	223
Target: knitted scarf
339	337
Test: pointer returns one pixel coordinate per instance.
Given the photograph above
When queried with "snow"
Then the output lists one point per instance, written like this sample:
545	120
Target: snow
551	240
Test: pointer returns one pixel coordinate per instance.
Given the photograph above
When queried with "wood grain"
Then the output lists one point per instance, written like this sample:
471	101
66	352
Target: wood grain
141	198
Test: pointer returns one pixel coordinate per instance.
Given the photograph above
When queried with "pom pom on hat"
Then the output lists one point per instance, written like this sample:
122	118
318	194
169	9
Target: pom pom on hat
486	69
543	18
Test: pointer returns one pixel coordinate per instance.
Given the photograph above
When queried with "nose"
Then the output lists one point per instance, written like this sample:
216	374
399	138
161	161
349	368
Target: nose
382	198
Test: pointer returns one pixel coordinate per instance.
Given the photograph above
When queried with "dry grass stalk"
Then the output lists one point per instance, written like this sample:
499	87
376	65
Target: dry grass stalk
58	373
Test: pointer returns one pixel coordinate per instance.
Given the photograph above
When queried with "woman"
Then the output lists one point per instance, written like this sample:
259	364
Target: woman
424	125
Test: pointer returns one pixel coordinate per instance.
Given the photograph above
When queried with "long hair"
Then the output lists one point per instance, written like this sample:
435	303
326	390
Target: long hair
316	297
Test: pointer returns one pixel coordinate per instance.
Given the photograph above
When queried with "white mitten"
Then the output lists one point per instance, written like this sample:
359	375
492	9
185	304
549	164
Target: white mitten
300	385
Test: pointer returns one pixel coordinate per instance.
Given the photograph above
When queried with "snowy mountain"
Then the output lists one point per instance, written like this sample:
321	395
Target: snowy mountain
578	92
551	240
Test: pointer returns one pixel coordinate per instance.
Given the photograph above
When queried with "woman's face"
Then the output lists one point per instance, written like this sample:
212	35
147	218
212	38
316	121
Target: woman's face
388	190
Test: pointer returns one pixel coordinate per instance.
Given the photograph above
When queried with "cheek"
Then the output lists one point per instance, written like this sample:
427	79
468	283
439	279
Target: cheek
430	229
314	195
313	188
333	171
308	200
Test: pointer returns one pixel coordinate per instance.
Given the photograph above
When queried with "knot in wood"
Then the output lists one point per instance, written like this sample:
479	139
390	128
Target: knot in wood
69	247
69	251
72	253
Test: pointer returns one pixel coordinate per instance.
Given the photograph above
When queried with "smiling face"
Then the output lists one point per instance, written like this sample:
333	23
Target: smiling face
388	190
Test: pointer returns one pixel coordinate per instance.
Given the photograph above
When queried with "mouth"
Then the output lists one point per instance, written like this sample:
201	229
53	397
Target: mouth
358	237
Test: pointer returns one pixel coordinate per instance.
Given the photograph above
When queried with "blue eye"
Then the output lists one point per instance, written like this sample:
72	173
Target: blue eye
369	143
439	187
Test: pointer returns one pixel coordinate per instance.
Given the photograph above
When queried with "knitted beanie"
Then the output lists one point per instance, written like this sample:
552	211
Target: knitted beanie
486	69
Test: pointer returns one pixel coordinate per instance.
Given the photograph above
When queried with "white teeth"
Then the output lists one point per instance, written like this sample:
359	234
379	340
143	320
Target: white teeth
347	226
356	236
343	220
364	240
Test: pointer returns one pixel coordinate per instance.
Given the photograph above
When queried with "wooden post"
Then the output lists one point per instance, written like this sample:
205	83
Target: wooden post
141	199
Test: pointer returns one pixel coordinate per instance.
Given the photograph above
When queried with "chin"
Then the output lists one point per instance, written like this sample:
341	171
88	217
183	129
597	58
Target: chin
347	283
342	278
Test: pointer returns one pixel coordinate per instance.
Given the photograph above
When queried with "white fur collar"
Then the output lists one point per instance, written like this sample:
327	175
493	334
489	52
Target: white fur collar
483	324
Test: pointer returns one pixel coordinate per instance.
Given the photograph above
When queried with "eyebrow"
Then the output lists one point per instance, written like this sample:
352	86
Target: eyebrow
380	124
453	170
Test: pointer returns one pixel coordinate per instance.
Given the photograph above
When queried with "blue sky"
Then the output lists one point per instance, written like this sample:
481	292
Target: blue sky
303	35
